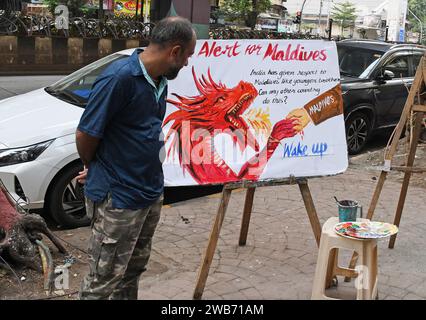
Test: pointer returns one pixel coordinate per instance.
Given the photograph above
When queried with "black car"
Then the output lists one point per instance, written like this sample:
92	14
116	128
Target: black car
376	78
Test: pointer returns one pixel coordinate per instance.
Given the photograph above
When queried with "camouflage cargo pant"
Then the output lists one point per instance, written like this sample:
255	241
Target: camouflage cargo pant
119	249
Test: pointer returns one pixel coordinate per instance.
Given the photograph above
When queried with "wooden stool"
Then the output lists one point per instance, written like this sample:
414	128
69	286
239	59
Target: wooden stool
327	264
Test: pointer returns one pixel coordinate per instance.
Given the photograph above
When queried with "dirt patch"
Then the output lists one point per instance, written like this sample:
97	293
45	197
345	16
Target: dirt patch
373	160
32	285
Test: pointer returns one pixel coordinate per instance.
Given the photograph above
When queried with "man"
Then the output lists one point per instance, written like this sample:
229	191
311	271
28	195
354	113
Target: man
118	140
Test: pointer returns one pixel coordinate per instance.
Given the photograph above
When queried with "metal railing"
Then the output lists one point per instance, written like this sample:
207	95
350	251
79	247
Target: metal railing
88	28
119	28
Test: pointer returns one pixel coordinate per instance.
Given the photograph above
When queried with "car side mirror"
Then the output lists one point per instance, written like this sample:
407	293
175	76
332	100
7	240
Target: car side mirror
385	75
388	75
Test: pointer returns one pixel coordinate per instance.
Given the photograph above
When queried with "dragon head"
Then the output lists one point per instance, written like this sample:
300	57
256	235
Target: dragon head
216	108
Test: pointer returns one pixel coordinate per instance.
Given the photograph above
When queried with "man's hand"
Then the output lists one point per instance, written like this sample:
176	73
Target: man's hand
86	146
302	117
81	178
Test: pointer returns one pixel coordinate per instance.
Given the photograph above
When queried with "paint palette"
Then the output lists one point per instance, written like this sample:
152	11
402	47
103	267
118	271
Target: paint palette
365	230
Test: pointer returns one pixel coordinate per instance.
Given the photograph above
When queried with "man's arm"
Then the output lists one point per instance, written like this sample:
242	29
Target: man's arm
106	99
86	146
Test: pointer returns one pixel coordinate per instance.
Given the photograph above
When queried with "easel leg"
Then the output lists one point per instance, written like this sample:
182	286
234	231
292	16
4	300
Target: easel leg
211	247
376	194
310	208
370	214
248	205
407	175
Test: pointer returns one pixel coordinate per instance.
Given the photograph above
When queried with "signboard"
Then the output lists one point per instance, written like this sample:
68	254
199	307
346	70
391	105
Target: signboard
401	35
284	26
255	110
127	7
267	23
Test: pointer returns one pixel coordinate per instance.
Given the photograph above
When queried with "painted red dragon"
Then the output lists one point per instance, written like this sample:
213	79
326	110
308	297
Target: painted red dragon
220	108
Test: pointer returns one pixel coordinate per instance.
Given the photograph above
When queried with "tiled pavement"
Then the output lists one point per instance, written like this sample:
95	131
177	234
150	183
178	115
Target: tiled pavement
279	259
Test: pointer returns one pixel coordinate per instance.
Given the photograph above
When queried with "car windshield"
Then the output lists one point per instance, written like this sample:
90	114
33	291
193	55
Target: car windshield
357	62
76	87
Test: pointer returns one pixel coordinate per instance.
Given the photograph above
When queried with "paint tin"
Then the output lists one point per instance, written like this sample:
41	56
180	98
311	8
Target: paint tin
348	210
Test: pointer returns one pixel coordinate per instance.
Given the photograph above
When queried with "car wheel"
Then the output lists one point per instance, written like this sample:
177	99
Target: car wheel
66	199
358	127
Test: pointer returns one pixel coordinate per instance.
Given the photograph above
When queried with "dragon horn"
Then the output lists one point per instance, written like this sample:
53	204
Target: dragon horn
204	82
197	83
215	85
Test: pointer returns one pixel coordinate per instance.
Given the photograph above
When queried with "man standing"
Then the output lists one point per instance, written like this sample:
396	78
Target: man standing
118	140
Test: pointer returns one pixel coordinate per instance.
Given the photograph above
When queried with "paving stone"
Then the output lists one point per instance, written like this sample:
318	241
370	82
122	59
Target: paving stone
280	257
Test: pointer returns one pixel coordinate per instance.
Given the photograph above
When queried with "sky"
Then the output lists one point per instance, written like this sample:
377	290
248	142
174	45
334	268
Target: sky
313	6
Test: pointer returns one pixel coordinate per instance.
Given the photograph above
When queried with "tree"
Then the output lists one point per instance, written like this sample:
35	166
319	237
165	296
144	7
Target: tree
75	7
245	11
101	10
419	9
345	13
51	4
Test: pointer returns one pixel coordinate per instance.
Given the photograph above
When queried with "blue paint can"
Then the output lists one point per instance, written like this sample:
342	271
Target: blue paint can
348	210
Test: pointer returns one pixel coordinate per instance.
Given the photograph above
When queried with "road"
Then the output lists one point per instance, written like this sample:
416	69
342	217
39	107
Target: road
11	86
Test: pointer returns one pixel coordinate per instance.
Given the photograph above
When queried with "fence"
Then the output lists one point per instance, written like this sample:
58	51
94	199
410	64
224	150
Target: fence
87	28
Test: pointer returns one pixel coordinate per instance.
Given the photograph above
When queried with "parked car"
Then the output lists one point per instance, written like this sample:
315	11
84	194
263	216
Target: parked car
376	77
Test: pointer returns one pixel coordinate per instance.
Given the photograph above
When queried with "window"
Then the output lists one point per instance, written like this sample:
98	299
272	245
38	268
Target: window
416	62
355	61
76	87
398	66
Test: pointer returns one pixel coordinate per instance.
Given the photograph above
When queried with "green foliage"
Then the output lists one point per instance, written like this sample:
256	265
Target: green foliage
51	5
243	11
344	13
90	12
418	7
75	7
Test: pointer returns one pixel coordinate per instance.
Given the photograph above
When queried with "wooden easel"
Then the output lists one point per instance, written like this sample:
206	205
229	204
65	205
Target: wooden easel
415	104
248	205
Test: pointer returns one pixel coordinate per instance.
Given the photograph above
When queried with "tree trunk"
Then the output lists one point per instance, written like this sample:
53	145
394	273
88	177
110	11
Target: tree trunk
251	19
18	233
101	10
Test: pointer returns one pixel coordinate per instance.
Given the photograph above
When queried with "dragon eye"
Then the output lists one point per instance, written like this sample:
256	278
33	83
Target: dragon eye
220	99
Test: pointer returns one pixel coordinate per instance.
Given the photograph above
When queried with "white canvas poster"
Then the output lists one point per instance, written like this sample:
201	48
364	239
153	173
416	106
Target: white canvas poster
255	110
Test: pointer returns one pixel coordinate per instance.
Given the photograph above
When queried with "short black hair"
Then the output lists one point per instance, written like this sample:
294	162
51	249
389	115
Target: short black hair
171	31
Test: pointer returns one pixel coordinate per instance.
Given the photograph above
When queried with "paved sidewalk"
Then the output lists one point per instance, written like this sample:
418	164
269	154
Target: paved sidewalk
279	259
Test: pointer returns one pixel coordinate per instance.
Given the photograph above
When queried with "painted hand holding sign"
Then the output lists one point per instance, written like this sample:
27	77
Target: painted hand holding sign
266	97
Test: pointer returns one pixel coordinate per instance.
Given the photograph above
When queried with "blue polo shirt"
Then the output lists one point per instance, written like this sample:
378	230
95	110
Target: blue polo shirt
126	110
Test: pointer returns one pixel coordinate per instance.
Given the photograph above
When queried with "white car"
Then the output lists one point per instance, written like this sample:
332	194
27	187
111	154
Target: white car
38	155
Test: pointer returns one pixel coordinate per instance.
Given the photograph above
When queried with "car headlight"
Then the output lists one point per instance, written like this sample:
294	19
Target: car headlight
23	154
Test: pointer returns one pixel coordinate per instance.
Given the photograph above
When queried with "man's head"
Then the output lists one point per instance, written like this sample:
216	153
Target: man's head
175	39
